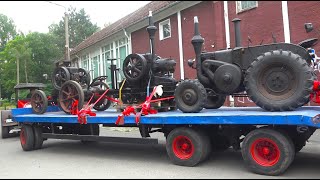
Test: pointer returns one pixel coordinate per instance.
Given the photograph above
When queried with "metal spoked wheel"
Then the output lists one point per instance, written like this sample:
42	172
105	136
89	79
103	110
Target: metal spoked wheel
85	77
134	67
71	96
60	76
39	102
104	103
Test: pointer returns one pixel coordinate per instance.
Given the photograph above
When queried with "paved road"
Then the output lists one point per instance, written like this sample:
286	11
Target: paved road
72	159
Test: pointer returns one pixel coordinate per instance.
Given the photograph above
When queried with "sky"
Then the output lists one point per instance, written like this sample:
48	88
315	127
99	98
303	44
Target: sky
31	16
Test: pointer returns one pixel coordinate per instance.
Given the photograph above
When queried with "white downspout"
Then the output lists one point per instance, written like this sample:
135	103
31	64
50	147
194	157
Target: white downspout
226	23
285	16
180	45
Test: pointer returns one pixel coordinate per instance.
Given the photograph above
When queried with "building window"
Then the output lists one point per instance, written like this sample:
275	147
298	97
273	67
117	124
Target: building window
85	62
122	52
246	5
107	53
164	29
95	63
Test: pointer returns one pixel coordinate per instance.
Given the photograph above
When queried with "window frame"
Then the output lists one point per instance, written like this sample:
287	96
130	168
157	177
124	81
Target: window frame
161	24
239	7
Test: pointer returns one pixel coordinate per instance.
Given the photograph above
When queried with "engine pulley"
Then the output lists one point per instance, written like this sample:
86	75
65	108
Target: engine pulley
227	78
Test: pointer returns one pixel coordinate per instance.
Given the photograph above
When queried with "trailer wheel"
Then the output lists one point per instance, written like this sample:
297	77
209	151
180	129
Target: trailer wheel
186	146
215	102
279	81
267	151
39	102
70	93
27	137
190	96
38	140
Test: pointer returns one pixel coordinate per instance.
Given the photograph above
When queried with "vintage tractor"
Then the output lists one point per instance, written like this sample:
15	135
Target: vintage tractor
276	77
142	73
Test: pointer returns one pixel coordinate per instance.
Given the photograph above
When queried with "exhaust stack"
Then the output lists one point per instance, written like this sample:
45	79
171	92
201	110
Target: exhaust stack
237	31
197	42
152	31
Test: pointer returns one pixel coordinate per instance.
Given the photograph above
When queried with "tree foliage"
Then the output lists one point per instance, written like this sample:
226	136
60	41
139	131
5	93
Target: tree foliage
35	52
7	30
80	27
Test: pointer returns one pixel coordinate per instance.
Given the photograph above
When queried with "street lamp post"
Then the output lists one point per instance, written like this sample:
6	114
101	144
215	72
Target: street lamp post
66	27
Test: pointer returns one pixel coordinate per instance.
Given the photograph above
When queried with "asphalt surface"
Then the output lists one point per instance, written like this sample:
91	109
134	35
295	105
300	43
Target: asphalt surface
73	159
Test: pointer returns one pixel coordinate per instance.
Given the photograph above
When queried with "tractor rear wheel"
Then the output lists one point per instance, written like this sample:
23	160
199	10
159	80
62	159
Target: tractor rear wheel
279	81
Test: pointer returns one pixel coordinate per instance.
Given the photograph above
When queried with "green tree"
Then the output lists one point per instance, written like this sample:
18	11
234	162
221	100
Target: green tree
7	30
35	53
80	27
15	51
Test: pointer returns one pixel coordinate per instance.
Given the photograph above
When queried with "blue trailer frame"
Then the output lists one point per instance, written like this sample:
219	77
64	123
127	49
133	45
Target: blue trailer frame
280	133
304	116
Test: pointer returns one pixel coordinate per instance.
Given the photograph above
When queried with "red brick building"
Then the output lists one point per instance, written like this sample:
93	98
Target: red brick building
262	21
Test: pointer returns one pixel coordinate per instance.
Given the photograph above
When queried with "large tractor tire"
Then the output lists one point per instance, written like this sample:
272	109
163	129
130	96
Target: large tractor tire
190	96
279	81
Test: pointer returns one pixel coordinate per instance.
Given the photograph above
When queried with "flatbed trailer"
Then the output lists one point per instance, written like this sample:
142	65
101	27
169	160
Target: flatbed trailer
268	140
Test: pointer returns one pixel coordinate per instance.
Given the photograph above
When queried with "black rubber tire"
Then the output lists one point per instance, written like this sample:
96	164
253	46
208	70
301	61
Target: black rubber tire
104	103
5	132
207	145
27	137
38	140
80	96
197	92
199	143
271	92
282	142
40	96
215	102
66	77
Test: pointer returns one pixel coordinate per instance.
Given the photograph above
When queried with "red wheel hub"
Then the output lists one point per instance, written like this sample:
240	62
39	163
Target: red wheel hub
22	136
183	147
265	152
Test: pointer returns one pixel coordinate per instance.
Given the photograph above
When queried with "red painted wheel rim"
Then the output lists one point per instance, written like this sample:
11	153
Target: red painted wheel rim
265	152
22	136
183	147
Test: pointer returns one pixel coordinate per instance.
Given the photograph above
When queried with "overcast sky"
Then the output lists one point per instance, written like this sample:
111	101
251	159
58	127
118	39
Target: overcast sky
38	15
